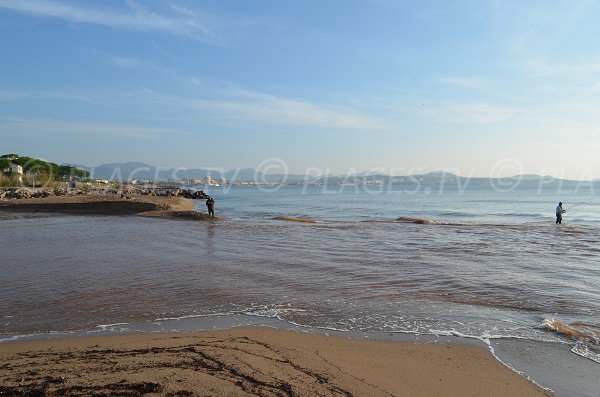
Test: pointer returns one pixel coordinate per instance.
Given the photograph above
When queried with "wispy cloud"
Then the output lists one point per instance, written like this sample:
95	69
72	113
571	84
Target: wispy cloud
251	108
124	62
11	95
29	126
136	17
248	108
6	96
469	113
466	82
545	67
184	10
264	108
296	113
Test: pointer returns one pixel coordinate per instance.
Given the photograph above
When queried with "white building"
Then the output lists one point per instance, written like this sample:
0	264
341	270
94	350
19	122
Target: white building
15	169
222	181
208	180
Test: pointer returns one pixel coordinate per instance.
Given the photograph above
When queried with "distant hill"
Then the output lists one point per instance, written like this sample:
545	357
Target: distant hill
529	177
440	174
142	171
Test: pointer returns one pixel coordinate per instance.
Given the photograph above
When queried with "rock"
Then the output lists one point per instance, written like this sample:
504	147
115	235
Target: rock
22	194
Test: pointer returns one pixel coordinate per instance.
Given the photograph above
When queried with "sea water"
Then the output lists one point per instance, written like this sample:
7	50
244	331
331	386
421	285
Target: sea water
478	263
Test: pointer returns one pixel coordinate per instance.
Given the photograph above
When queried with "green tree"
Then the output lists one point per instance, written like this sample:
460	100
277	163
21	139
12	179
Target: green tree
49	170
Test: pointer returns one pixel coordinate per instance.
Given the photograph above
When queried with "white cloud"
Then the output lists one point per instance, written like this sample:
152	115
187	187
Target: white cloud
124	62
470	113
31	126
544	67
195	81
256	108
10	95
184	10
465	82
6	96
140	18
243	106
264	108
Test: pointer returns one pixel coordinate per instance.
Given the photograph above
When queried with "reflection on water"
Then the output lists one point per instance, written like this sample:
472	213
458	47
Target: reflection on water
479	278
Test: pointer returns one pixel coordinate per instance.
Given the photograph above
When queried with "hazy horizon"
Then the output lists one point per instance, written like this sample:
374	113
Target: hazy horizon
481	89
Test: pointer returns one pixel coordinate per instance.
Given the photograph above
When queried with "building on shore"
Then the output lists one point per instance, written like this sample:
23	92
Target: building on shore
15	169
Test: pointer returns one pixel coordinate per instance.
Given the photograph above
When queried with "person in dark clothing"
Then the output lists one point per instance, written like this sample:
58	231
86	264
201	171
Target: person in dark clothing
210	204
559	212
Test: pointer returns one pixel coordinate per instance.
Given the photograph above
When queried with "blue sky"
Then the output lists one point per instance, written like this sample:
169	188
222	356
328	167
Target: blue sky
475	87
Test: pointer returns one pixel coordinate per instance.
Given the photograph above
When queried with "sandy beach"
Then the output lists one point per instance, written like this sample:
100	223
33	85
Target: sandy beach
103	204
251	361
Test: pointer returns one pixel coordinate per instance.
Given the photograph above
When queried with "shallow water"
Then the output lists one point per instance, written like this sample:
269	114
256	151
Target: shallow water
484	264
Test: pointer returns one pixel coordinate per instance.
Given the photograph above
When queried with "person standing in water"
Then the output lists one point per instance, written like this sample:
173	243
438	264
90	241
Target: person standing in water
559	212
210	204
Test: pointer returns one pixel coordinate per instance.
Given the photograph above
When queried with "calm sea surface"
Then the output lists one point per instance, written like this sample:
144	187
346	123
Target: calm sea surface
479	263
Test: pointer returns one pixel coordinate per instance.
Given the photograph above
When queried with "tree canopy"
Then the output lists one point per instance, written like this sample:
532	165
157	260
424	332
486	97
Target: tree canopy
40	167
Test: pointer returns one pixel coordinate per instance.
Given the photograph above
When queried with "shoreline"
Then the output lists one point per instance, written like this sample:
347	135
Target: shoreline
254	361
570	375
108	204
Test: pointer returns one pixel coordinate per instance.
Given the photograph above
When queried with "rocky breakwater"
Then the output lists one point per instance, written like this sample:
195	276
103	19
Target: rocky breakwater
162	202
28	193
161	192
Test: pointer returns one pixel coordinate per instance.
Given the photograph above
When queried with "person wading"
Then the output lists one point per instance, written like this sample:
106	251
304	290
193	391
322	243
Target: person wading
210	204
559	212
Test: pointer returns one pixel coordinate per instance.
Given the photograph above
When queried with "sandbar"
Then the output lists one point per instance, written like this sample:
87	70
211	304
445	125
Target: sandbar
107	204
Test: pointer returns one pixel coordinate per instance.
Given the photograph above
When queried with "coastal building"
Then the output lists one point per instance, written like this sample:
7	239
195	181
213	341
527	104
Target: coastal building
222	181
15	169
208	180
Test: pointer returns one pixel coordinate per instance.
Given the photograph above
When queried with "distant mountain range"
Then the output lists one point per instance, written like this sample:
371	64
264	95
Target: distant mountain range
142	171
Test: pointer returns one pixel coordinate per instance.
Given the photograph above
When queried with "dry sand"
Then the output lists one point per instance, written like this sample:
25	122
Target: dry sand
104	204
251	362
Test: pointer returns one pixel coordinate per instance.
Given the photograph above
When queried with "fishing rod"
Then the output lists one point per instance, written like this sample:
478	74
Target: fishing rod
579	203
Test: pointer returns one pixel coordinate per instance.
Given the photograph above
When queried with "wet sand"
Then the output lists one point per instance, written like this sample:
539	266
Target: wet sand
251	361
102	204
